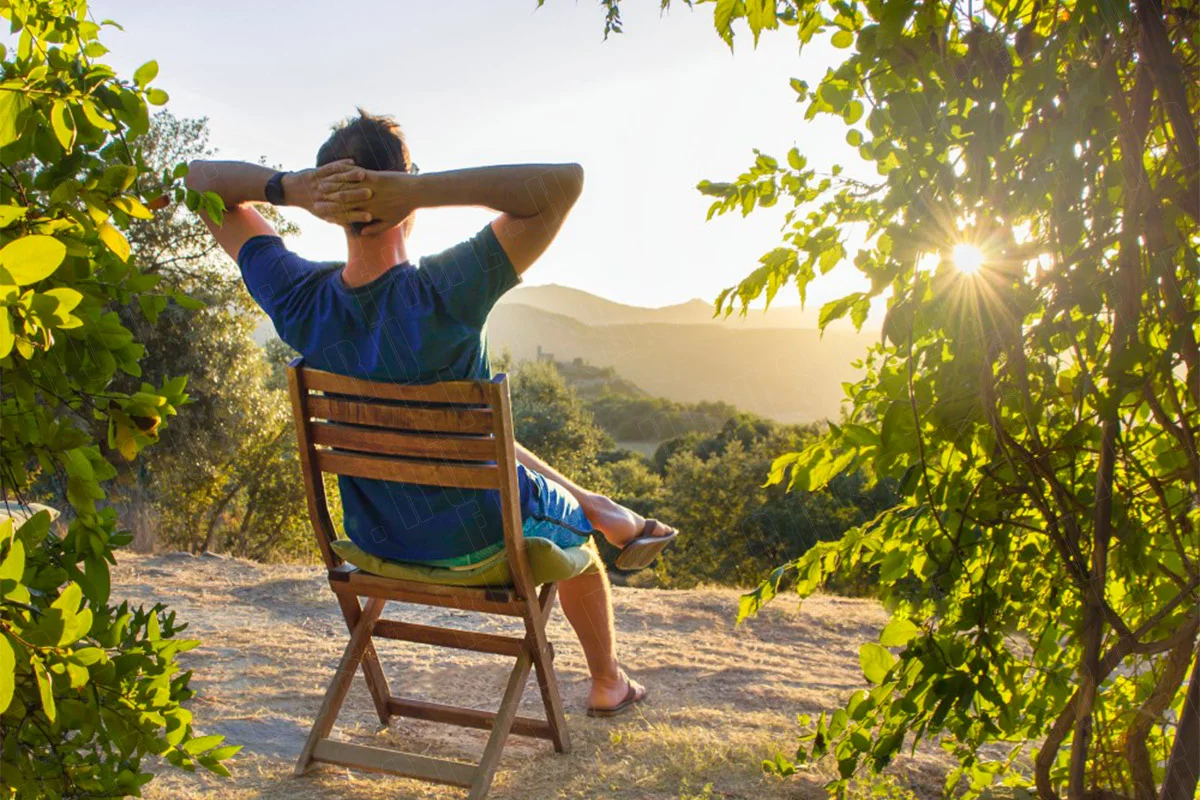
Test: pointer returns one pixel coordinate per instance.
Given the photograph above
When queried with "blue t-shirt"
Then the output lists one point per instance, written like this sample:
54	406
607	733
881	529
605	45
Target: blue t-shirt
409	325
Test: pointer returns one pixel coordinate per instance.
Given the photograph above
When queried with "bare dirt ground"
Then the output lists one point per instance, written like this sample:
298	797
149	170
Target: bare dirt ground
722	698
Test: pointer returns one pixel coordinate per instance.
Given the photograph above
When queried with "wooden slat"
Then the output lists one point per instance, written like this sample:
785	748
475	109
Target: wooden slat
427	473
314	488
449	637
377	683
376	759
336	693
396	443
439	420
485	601
510	493
501	726
457	392
465	717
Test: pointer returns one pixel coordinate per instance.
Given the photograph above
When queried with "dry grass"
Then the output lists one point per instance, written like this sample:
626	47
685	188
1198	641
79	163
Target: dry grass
722	698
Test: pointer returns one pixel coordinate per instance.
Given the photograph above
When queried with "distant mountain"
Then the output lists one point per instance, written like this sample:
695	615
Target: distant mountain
787	374
592	310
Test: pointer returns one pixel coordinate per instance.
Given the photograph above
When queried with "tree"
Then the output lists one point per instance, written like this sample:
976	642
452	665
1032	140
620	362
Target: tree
1033	228
737	530
87	689
550	419
224	475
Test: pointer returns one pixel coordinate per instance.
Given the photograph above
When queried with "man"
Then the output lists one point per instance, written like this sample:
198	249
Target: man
378	317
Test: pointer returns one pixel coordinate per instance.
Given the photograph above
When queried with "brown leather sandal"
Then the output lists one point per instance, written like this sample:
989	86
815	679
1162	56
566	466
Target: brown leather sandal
640	552
632	698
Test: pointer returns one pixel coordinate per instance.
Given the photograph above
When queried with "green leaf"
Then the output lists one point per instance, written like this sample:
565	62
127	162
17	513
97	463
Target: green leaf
8	669
876	661
145	73
117	178
157	97
898	632
63	124
842	39
67	299
222	753
13	566
93	115
723	19
13	103
86	656
837	309
7	339
10	214
132	206
32	258
115	241
45	689
202	743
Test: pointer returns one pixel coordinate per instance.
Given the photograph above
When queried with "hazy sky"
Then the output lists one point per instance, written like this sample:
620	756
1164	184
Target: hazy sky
648	113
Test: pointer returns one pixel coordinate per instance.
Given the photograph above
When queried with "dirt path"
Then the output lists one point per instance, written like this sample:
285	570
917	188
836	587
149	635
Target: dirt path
723	698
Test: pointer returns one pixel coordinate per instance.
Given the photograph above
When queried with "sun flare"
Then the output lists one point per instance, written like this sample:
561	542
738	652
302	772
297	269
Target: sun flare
968	258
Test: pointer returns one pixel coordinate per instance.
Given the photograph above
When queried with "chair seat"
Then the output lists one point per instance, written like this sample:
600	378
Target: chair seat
547	562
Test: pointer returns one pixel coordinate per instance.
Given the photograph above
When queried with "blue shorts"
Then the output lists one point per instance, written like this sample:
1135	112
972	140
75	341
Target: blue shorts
553	513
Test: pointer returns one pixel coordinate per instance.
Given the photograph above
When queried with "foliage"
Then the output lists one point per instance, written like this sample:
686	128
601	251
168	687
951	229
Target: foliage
707	485
652	419
1041	414
550	419
737	530
87	689
225	475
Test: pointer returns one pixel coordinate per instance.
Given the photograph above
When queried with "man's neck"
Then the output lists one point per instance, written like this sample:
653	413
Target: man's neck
369	257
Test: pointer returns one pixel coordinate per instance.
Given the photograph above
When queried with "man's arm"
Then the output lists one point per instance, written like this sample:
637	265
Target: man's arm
239	184
533	200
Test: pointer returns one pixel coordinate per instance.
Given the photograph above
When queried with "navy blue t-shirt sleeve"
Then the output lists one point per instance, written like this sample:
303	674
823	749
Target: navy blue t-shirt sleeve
470	277
269	274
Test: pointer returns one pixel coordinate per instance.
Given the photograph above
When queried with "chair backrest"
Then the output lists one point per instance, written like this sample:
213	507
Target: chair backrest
456	434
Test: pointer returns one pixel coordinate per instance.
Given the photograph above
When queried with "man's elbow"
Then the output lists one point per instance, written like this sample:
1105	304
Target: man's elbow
570	178
197	176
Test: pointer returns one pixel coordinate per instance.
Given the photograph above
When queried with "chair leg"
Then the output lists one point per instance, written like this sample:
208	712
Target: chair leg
543	658
500	728
377	683
360	640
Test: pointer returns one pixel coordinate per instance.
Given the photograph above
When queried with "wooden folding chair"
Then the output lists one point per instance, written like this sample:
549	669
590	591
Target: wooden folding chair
455	434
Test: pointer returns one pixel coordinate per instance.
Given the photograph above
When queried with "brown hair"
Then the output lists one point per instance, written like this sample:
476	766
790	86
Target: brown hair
372	142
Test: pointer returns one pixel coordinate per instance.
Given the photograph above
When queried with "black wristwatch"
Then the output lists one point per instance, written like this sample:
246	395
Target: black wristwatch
274	189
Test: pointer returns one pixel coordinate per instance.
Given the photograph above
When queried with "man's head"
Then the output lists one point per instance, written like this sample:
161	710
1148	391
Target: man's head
372	142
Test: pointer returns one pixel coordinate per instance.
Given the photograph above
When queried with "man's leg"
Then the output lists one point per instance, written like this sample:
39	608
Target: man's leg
618	524
587	602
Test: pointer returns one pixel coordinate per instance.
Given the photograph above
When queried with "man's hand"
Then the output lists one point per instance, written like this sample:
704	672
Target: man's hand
385	199
331	192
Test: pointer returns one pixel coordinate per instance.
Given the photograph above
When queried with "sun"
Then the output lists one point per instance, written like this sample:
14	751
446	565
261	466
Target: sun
968	258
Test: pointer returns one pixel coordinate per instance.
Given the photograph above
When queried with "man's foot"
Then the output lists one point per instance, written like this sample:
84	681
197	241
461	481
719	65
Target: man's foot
609	698
618	524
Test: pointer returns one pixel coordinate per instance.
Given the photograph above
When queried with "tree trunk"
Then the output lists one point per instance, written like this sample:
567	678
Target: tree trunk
1183	767
1174	671
210	538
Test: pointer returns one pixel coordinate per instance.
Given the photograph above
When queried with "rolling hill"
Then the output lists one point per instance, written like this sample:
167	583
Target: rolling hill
592	310
787	374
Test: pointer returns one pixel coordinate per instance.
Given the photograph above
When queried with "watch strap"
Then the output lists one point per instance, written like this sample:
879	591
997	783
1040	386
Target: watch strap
274	189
